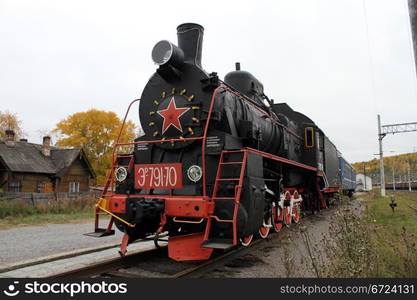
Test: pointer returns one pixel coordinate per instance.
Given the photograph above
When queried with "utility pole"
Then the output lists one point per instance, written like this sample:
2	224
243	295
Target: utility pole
409	179
382	132
412	10
393	177
381	157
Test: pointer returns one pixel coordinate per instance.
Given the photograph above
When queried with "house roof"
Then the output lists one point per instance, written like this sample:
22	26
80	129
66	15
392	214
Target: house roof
28	158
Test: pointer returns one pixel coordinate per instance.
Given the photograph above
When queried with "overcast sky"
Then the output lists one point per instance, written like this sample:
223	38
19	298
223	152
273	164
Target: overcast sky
340	62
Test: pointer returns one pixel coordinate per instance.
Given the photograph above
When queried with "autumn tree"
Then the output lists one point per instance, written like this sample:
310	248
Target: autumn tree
95	131
400	163
10	121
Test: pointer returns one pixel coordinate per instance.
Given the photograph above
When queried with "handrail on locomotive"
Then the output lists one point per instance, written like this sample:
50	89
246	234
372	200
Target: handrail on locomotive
251	167
110	177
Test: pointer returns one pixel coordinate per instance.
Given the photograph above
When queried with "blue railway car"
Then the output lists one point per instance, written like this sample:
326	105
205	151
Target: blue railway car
347	176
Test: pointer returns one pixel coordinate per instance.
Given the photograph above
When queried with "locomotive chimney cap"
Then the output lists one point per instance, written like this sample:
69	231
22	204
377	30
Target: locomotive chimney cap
190	41
186	26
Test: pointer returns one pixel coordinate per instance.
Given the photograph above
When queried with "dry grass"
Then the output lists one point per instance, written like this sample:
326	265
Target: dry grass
376	243
19	213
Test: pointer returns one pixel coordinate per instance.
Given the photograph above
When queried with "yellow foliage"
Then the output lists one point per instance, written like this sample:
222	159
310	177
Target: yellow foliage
95	131
10	121
400	163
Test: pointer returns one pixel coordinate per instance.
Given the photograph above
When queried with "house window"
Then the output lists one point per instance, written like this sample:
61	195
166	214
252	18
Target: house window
40	187
74	187
15	186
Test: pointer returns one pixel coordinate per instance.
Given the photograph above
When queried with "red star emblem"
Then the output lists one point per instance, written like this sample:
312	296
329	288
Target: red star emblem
172	115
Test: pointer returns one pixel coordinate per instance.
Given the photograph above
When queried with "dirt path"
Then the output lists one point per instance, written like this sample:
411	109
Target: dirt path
286	254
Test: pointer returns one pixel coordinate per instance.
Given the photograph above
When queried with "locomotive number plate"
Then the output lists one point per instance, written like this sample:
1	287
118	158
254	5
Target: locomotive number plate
158	176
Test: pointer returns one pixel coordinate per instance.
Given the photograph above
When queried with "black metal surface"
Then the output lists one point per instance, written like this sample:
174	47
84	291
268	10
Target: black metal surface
331	163
100	232
246	84
190	40
241	117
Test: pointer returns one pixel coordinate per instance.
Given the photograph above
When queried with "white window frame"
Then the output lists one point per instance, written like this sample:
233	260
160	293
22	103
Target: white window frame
74	187
40	186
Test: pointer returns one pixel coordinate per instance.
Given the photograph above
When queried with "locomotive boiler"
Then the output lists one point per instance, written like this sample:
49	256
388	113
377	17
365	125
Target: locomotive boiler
219	161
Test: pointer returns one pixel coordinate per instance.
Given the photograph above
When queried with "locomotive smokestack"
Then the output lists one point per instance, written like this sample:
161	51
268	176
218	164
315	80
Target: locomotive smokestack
237	66
190	40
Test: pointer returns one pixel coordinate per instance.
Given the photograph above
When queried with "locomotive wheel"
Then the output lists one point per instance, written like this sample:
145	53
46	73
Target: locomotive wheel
287	216
296	213
246	240
264	231
278	218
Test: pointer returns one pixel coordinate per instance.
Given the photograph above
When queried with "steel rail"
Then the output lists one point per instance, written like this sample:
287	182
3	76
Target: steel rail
110	267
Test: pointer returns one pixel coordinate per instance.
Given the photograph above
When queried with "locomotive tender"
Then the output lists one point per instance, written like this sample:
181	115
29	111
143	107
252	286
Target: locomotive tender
219	161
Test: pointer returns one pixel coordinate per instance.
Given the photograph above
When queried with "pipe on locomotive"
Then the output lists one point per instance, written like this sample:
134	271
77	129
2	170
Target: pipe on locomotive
190	44
190	40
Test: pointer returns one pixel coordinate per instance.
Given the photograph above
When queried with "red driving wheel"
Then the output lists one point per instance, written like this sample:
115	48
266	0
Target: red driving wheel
278	218
296	208
287	216
264	231
246	240
296	213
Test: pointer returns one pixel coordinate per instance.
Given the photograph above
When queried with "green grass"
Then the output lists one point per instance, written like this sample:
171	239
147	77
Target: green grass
19	213
393	234
385	219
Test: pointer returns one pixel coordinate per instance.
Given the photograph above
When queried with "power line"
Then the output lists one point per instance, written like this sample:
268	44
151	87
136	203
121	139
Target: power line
371	62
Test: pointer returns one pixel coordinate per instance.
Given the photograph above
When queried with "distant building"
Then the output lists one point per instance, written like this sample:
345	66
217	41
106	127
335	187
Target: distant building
363	183
34	168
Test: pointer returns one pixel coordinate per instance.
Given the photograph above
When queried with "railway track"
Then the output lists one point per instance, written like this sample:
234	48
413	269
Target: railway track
155	264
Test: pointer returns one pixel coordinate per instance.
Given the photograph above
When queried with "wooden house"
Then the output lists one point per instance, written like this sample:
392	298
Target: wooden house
35	168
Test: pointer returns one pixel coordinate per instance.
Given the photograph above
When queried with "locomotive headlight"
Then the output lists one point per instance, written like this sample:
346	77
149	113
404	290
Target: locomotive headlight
164	53
121	174
194	173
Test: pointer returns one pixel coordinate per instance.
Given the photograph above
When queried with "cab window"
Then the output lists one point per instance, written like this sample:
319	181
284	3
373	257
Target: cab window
309	137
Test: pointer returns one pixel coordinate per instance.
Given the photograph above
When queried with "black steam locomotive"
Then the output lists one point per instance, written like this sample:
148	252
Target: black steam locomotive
219	161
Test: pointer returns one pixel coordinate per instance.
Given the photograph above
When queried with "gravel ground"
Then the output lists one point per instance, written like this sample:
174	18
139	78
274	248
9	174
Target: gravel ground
26	243
285	254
